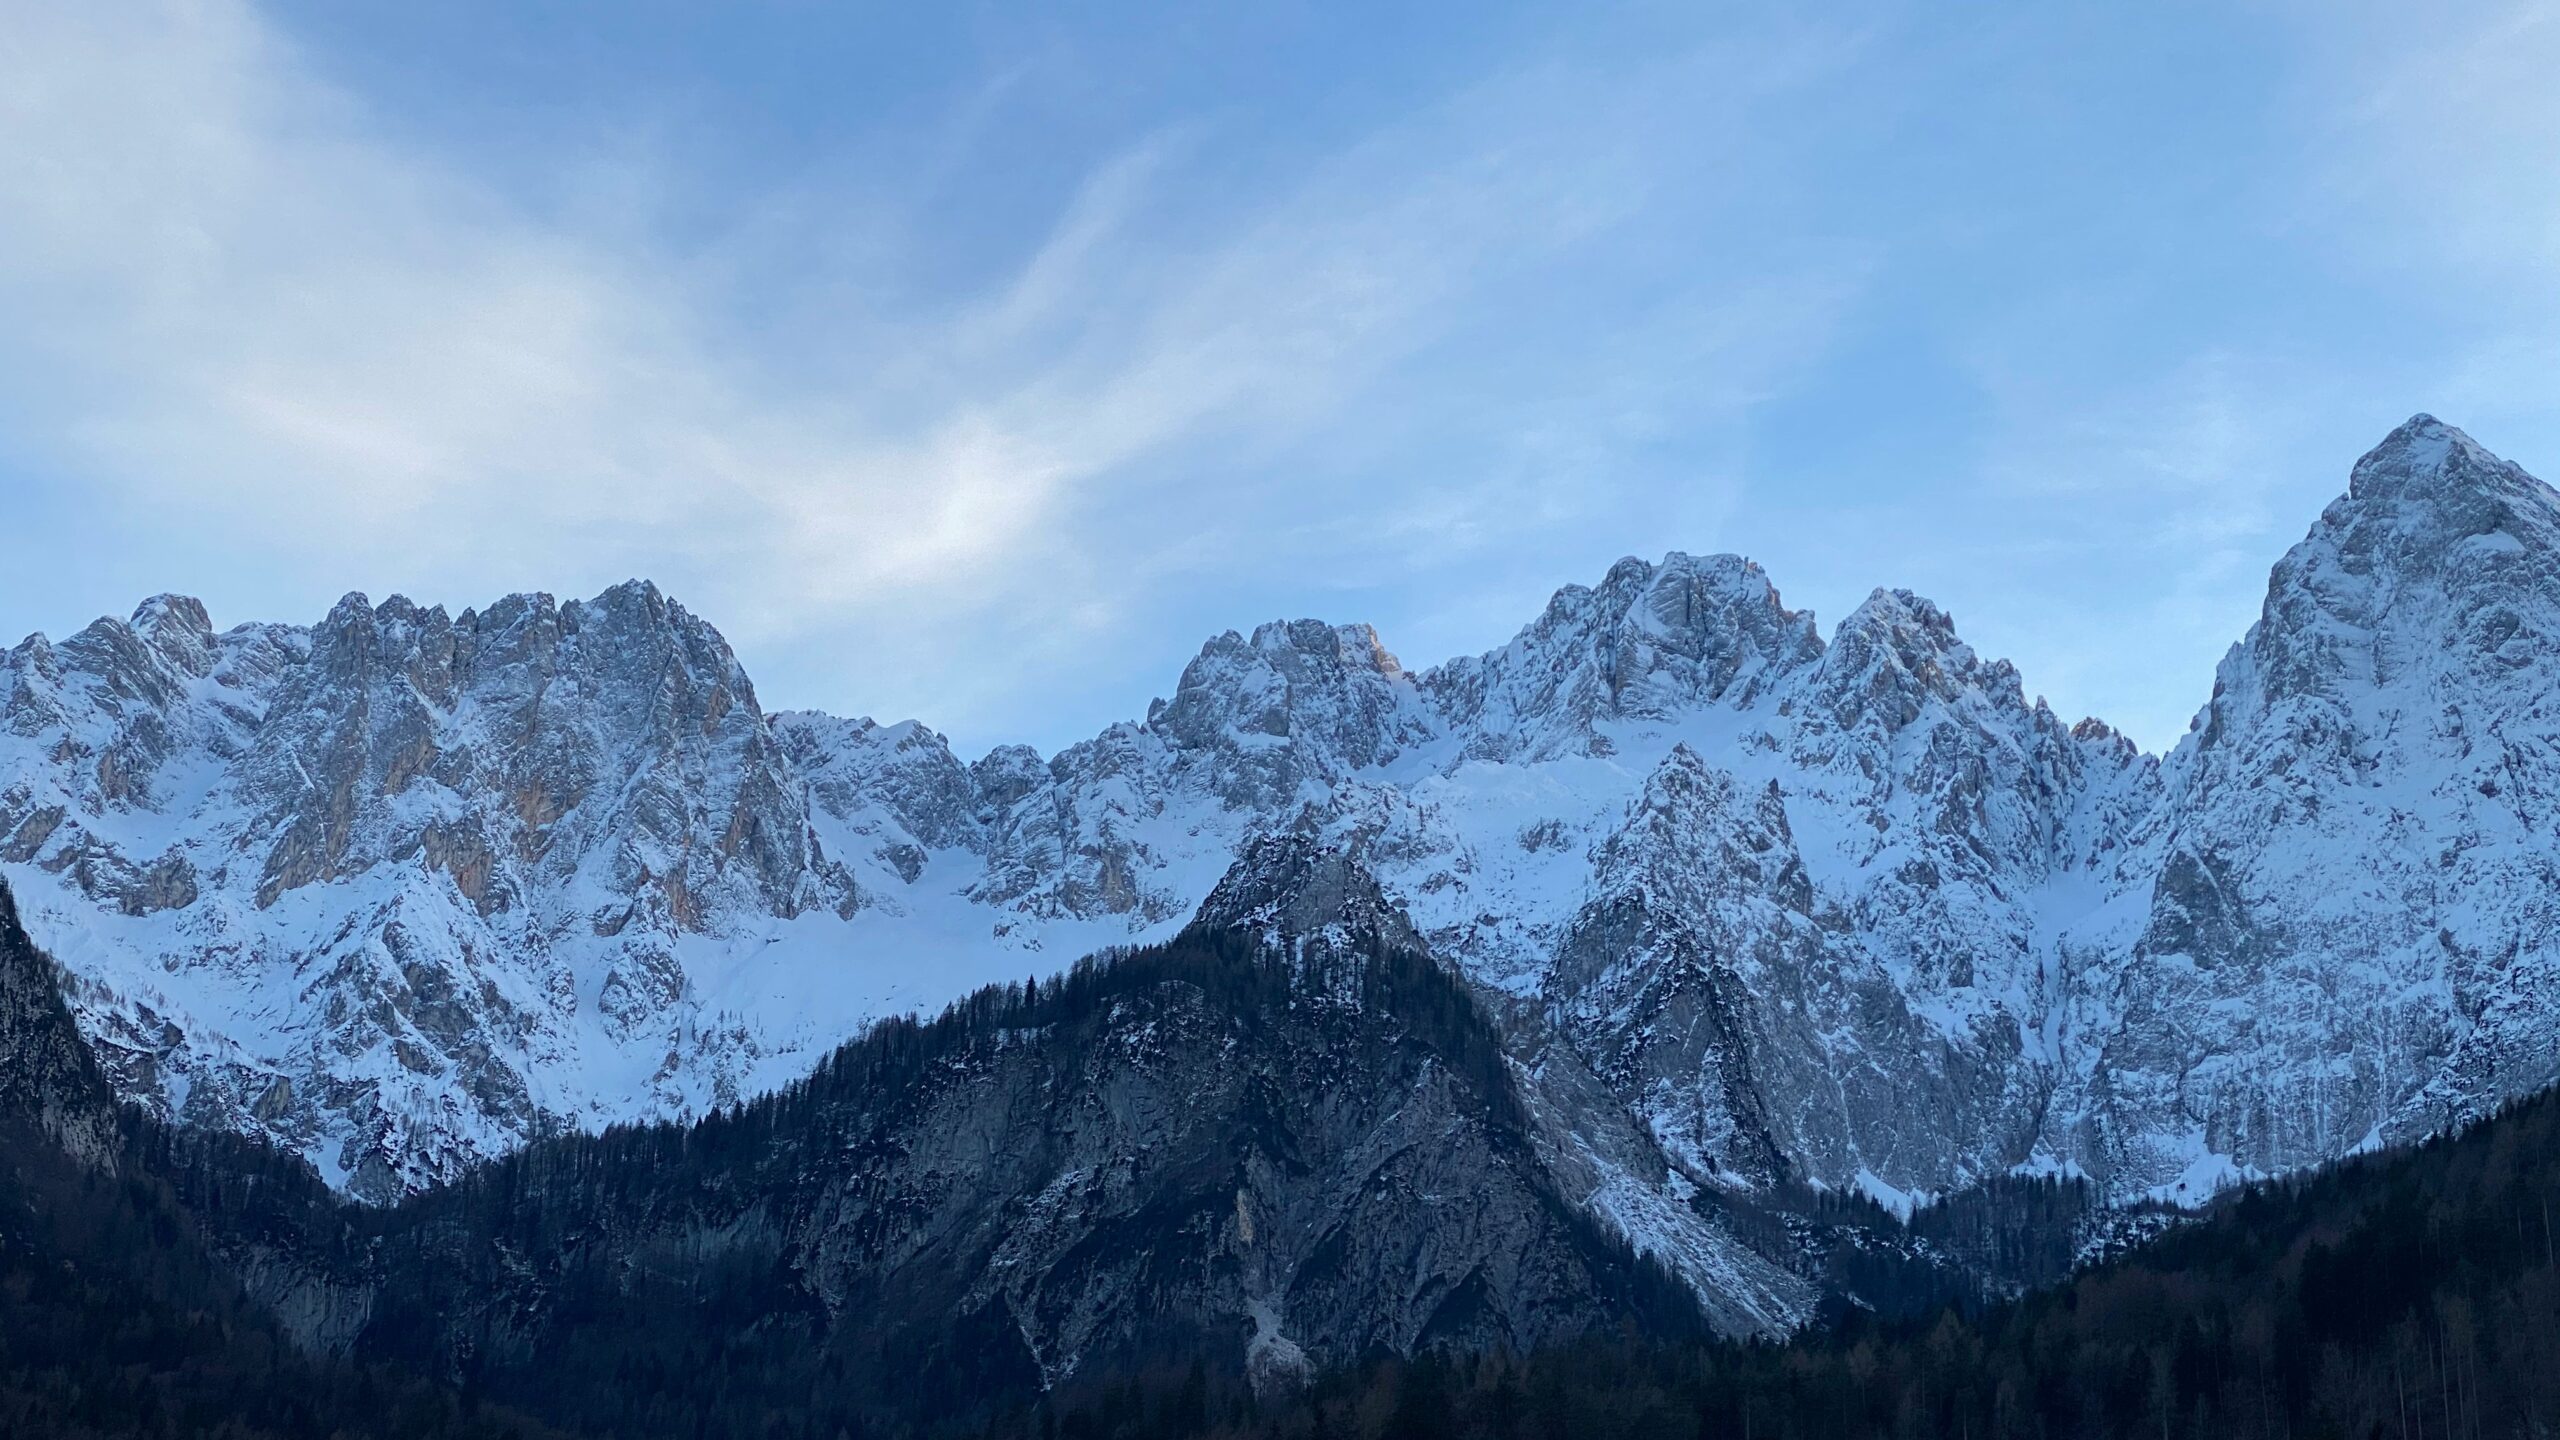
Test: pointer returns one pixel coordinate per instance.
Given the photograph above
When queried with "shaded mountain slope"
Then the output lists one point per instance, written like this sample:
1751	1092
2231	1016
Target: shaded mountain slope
2413	1293
1763	915
118	1316
1269	1157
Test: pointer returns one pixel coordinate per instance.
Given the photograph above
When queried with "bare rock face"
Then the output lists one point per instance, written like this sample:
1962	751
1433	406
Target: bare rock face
48	1081
1299	702
442	855
1297	894
1652	643
1138	821
1754	908
2347	925
1275	1158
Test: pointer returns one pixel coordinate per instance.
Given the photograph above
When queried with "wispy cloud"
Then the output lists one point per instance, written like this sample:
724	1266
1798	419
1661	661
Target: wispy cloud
232	297
2038	314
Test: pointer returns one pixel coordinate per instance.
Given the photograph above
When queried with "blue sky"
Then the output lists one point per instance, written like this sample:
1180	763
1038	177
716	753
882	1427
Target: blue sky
976	362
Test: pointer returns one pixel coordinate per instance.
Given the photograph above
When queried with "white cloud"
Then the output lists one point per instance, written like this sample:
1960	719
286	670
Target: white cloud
226	294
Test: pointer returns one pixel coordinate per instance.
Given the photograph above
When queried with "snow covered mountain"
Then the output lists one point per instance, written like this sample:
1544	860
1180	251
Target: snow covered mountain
403	890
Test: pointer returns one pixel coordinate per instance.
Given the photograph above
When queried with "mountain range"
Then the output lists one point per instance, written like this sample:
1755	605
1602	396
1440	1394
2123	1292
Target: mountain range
1754	918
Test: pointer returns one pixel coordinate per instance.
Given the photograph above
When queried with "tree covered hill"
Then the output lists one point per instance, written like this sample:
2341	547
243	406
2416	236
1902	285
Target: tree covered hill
2410	1295
164	1282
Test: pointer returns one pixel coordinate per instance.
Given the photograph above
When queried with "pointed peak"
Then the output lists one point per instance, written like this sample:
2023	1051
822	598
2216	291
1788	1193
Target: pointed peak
2106	739
1914	631
1011	757
185	612
2420	432
1289	887
2424	457
1684	773
1630	570
1722	570
1332	686
177	627
511	612
1686	792
351	616
1898	651
634	593
1896	609
401	611
1722	563
2437	542
1629	578
1698	829
640	605
1357	643
1006	774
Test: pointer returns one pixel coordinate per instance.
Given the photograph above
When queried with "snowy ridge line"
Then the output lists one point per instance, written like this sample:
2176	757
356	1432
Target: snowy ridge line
404	889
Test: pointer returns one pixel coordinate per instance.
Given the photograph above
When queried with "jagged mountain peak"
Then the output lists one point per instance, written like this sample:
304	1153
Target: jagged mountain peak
1722	569
635	600
1007	773
1897	658
567	825
1691	602
1651	642
2429	511
1684	772
1695	824
1299	700
637	604
1900	612
2425	458
1908	633
1354	643
2442	560
2359	823
906	770
442	846
179	629
1292	890
637	590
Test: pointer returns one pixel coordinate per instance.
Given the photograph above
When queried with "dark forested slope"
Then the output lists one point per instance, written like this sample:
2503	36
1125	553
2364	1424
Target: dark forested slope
1271	1159
1126	1161
116	1317
2407	1296
1206	1149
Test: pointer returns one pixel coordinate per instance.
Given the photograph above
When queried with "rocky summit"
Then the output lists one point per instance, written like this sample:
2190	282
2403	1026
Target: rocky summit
1754	909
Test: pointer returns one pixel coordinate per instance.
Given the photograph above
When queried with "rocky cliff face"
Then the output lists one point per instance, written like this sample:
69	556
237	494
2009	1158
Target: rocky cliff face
2346	924
52	1094
1280	1142
389	889
1754	908
1205	1148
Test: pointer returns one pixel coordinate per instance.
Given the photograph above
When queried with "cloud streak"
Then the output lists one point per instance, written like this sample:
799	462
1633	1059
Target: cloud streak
249	311
951	417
